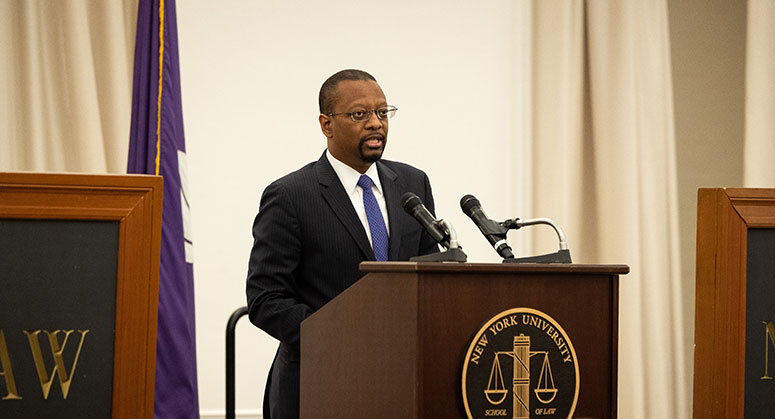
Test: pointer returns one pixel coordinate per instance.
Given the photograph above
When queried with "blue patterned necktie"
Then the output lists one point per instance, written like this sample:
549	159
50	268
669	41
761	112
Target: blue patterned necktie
379	236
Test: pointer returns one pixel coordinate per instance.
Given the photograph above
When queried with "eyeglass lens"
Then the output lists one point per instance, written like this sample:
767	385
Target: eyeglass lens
383	113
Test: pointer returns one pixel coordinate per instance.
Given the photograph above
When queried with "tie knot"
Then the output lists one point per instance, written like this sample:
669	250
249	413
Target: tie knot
364	182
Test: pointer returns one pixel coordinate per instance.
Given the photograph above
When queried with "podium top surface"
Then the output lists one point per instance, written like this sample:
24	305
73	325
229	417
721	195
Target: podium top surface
448	267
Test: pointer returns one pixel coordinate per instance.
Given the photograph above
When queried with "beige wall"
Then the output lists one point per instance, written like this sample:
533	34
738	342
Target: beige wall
250	78
707	40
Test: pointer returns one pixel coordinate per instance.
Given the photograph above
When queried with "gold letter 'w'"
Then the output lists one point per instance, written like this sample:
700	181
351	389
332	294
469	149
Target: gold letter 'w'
769	333
59	364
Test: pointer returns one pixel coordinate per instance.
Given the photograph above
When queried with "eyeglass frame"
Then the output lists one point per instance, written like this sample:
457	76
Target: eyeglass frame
390	108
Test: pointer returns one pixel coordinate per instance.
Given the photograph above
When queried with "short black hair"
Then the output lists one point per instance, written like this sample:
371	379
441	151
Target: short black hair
327	99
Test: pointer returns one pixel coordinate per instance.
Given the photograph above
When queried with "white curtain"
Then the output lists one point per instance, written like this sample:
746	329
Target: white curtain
604	167
558	138
66	83
759	151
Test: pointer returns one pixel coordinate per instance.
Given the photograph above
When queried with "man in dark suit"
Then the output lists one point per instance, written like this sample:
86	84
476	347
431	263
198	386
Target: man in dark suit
315	225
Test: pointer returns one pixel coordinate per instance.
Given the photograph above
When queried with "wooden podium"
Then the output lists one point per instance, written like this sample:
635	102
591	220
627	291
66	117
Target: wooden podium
734	337
79	271
394	344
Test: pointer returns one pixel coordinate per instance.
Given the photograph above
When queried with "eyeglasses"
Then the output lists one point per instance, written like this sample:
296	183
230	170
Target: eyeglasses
360	116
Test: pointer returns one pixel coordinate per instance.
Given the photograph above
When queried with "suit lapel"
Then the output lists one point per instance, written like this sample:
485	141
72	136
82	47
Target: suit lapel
392	188
336	197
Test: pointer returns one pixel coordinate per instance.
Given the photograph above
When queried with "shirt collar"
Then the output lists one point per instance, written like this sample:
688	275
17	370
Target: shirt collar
349	176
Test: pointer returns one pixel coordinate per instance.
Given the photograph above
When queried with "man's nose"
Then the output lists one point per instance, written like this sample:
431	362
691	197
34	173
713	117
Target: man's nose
373	122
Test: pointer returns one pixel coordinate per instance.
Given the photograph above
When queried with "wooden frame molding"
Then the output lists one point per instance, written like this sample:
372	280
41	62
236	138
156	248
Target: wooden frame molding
135	202
723	219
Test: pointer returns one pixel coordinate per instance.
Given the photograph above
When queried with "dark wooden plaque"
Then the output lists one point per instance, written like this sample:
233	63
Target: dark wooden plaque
760	324
57	275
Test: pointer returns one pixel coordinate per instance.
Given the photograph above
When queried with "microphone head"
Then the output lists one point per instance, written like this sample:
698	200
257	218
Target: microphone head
409	201
468	203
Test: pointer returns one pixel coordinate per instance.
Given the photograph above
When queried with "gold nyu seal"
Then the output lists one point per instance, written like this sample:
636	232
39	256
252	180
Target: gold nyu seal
543	373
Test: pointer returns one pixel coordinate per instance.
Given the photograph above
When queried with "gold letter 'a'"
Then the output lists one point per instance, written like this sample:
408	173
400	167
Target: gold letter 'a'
7	372
769	333
59	364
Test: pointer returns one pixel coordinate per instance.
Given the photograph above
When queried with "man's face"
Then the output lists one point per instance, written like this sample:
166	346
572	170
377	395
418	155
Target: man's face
357	144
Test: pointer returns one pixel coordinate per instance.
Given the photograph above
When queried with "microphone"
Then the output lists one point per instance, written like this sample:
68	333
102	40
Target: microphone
493	231
414	207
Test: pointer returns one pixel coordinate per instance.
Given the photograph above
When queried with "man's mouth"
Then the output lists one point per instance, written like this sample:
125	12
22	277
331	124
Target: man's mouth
373	141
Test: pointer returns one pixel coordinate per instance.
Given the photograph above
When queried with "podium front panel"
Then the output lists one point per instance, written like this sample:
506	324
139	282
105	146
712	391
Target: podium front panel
453	310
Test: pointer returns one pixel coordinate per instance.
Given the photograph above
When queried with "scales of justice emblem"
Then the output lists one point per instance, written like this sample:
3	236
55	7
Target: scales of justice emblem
537	391
545	392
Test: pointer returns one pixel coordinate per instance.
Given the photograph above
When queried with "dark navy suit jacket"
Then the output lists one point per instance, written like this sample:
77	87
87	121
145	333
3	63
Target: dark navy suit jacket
308	244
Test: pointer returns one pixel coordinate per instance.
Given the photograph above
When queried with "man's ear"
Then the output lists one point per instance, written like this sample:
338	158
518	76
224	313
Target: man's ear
325	125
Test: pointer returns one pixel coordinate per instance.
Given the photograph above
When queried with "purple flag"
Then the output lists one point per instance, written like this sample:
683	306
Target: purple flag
157	146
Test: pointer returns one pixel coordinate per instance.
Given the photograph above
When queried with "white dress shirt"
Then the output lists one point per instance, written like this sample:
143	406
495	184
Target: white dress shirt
349	179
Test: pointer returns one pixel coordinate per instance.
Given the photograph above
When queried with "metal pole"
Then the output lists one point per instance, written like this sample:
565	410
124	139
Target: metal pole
230	328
